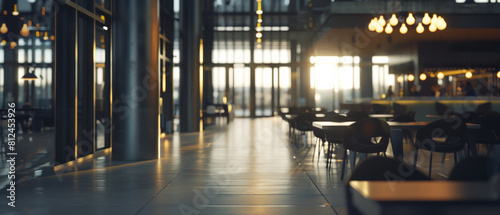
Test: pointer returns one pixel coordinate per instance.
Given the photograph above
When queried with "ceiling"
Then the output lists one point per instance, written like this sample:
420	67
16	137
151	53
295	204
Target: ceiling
360	41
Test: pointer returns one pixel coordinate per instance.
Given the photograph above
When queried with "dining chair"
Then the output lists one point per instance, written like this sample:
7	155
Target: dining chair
369	135
381	169
446	135
473	169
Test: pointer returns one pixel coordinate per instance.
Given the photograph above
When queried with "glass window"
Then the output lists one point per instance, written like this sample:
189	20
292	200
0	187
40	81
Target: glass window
47	55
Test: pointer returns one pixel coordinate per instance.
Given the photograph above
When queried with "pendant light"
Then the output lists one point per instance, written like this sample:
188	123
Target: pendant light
388	29
423	77
403	29
4	29
427	19
420	28
410	20
432	28
24	30
15	12
394	20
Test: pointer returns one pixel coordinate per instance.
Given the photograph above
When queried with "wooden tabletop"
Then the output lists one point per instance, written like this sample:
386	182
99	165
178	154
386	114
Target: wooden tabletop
425	191
376	115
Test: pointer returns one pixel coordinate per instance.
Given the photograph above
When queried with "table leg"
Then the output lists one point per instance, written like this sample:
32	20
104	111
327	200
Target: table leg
397	143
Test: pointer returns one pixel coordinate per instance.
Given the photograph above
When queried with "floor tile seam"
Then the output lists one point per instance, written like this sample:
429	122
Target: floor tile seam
193	160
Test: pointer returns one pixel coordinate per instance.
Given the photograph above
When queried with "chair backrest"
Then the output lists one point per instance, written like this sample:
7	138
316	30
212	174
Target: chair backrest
357	115
441	108
384	168
362	136
380	169
380	108
473	169
407	117
211	109
454	131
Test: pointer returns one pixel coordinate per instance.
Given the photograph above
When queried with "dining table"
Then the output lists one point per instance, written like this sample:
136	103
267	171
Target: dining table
423	197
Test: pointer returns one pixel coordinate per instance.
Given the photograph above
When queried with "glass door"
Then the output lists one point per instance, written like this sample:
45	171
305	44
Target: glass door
241	84
263	91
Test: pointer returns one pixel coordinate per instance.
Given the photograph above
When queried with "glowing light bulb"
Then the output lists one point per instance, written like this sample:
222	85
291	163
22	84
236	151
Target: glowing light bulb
434	19
4	28
372	26
379	28
15	12
45	37
259	20
411	77
423	77
468	74
24	30
441	24
400	79
440	75
432	28
52	37
388	29
381	20
403	29
394	20
258	35
427	19
259	12
13	45
498	74
420	28
410	20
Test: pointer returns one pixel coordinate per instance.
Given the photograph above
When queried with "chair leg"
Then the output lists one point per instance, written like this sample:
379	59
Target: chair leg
353	159
314	151
430	165
343	164
444	156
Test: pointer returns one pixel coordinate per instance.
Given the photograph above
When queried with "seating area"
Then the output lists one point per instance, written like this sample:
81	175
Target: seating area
250	107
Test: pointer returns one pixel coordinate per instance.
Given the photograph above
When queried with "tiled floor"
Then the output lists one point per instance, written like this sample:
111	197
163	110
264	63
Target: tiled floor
247	167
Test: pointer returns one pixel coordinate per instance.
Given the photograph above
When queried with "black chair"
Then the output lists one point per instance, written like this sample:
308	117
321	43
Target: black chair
489	133
356	115
483	108
369	135
399	108
380	108
441	108
321	134
473	169
446	135
384	168
381	169
334	137
303	124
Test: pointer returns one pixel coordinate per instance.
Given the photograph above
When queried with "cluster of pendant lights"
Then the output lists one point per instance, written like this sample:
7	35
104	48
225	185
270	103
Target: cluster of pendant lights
439	75
25	29
380	25
259	12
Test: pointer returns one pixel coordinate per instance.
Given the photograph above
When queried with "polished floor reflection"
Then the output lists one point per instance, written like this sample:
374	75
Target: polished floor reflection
246	167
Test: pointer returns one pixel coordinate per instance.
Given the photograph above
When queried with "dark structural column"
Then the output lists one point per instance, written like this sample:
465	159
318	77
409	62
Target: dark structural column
135	80
208	44
366	78
65	76
190	94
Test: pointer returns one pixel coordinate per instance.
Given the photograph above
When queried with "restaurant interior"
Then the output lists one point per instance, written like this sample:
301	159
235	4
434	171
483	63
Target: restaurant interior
250	106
